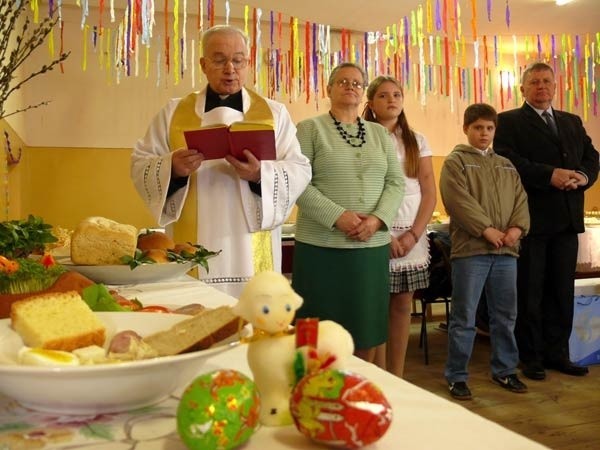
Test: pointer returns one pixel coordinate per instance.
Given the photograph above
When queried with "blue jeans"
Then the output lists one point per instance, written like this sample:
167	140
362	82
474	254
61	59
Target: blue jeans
497	274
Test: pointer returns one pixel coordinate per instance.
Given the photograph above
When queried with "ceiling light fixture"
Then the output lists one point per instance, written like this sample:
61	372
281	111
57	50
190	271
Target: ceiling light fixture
562	2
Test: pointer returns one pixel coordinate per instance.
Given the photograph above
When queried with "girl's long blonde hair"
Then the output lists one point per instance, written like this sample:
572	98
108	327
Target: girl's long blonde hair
403	130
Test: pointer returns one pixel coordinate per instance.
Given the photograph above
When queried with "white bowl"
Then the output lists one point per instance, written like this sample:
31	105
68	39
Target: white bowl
123	274
101	388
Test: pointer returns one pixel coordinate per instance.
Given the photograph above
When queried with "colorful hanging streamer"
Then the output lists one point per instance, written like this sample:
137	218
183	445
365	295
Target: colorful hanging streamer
426	45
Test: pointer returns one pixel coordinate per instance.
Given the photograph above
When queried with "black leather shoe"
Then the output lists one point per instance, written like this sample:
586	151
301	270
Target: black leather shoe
534	371
459	390
566	367
511	383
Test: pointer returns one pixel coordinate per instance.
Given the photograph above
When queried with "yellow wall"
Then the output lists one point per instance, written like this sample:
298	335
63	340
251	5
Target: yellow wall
66	185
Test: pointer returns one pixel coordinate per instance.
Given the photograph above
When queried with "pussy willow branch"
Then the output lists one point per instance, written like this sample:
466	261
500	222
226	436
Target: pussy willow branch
17	42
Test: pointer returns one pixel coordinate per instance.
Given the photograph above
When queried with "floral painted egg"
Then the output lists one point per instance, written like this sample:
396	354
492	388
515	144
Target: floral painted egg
218	410
340	409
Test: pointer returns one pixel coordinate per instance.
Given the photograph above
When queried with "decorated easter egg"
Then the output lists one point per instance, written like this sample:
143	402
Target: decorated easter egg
340	408
218	410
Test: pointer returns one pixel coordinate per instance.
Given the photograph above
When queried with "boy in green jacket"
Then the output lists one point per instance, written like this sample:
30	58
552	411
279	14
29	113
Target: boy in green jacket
487	205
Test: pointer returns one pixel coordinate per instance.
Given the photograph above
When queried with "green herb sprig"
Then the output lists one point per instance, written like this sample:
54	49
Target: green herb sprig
200	256
20	238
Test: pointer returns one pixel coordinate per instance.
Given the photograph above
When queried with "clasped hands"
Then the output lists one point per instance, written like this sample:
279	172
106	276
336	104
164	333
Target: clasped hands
500	239
184	162
358	226
402	245
566	179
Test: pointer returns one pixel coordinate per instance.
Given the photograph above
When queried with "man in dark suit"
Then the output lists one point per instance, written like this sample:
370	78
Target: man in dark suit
557	163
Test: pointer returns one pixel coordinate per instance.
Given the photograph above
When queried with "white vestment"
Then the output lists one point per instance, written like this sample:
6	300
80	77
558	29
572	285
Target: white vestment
228	211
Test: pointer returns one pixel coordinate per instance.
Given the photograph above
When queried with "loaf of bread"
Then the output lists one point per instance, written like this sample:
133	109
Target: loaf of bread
158	255
57	321
155	240
197	333
99	241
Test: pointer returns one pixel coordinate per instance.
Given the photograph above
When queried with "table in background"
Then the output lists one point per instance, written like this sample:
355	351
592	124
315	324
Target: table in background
588	256
421	420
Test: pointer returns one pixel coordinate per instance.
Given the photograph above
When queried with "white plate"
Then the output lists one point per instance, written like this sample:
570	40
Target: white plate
123	274
102	388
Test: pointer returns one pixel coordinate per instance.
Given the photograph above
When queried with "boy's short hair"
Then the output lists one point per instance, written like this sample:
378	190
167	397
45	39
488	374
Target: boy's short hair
478	111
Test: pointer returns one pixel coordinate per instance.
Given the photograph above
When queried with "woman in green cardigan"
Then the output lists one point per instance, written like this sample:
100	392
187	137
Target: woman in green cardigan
342	234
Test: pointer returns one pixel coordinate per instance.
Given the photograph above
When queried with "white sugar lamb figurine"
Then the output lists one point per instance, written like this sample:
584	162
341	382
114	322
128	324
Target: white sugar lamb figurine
269	303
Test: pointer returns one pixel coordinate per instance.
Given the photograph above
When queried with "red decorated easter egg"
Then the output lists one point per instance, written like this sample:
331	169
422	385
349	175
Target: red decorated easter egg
218	410
340	408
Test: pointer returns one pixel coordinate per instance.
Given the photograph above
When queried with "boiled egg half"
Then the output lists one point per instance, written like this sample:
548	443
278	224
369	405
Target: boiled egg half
43	357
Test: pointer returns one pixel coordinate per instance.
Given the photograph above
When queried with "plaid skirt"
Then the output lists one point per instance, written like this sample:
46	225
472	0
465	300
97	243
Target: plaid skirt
409	280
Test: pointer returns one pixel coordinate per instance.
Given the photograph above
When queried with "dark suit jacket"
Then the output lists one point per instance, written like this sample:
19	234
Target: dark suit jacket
525	138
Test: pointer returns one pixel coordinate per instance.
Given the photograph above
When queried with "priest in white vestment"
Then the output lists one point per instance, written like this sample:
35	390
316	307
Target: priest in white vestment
231	205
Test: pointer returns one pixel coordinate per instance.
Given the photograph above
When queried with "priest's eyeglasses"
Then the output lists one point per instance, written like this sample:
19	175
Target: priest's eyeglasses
238	62
344	83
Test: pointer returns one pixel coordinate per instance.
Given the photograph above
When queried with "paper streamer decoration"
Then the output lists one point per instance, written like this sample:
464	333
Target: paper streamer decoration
175	42
84	57
426	44
474	18
167	58
429	15
184	40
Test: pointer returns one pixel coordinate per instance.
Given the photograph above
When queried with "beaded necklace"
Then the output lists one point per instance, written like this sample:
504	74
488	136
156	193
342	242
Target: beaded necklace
355	141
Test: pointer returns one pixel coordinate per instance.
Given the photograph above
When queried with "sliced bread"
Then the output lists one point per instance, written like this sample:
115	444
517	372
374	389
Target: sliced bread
197	333
101	241
57	321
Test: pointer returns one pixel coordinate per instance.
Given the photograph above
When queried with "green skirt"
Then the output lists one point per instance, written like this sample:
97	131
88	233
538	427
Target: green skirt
348	286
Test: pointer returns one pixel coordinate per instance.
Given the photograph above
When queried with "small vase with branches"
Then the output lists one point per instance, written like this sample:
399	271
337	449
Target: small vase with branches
19	37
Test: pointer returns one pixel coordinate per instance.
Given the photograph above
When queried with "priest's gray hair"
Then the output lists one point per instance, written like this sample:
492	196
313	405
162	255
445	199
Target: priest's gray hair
223	29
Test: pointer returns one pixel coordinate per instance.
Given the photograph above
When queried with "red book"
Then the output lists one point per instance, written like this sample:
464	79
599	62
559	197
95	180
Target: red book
216	141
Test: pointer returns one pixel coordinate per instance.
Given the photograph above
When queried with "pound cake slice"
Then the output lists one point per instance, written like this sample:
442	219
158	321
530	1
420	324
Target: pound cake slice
57	321
197	333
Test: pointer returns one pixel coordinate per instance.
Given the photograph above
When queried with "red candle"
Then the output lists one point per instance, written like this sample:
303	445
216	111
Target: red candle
307	332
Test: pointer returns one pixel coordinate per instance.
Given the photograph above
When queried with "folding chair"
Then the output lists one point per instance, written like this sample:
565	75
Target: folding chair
440	285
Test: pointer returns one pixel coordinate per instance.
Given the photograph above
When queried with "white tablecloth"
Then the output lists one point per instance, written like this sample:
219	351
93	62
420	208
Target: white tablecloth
421	420
588	257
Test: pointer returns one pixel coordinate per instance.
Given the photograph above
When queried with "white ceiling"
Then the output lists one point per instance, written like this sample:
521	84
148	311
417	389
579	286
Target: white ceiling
527	17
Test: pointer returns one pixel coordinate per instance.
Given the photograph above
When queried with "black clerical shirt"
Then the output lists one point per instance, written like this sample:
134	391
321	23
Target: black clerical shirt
214	100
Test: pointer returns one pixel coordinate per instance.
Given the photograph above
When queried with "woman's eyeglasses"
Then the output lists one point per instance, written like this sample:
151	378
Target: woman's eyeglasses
344	83
237	62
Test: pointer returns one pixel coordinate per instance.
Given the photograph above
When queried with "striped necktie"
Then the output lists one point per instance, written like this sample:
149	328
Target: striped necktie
550	122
